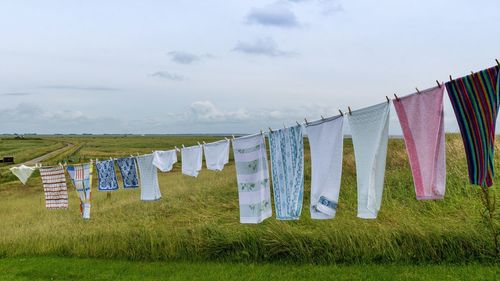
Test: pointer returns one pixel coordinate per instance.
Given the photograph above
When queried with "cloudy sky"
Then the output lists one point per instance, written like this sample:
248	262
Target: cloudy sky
219	66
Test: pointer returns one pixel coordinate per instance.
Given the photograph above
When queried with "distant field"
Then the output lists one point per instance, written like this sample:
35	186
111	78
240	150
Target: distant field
198	219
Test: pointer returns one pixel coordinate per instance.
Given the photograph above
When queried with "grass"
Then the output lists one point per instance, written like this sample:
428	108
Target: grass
197	219
52	268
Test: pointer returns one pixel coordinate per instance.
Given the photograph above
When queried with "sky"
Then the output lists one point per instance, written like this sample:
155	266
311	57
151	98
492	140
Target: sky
214	66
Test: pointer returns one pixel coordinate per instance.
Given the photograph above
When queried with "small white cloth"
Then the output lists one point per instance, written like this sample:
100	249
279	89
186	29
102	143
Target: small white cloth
164	160
216	154
192	158
370	135
326	140
23	172
150	190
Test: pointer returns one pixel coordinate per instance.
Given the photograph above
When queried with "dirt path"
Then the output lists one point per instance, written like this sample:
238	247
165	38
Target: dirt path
49	155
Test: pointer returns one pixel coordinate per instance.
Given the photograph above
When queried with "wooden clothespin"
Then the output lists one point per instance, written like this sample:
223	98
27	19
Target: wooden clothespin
322	118
298	124
199	143
418	92
233	136
387	98
204	142
397	99
270	130
472	72
262	133
439	84
350	111
451	79
341	113
306	121
498	63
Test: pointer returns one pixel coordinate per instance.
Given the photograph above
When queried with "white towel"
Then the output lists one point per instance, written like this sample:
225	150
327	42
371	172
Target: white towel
150	190
164	160
23	172
192	160
252	174
370	135
216	154
326	141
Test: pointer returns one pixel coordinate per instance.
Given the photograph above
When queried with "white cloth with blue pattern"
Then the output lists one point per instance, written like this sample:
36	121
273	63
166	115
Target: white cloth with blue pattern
287	166
370	135
252	173
326	140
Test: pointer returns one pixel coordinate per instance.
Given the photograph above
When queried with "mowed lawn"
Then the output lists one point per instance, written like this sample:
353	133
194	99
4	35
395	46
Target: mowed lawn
50	268
197	219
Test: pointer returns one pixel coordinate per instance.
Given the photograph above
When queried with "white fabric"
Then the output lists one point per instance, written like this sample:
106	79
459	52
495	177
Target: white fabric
326	141
23	172
164	160
216	155
86	210
192	160
150	190
370	135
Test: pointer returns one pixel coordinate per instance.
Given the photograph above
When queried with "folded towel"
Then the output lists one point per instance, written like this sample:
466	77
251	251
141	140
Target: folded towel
23	172
192	160
252	173
150	190
216	154
370	135
165	160
287	166
107	175
128	170
326	141
422	121
54	186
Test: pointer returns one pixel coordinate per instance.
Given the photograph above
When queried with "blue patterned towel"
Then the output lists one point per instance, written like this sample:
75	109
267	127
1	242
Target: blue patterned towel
287	166
128	170
107	175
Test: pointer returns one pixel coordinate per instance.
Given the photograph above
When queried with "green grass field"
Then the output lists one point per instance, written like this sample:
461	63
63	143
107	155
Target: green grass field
197	219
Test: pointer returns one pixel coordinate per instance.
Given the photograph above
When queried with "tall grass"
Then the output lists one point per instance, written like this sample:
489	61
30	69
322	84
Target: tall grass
197	219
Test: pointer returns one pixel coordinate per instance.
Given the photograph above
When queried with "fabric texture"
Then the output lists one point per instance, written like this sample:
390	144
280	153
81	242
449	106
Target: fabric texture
107	175
475	101
370	135
165	160
54	186
326	141
192	158
216	155
252	174
81	177
150	190
23	172
421	117
128	170
287	166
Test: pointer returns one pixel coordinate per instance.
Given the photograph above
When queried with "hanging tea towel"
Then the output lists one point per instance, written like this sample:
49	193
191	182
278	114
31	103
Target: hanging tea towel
81	176
150	190
216	154
54	186
165	160
107	175
23	172
192	160
128	170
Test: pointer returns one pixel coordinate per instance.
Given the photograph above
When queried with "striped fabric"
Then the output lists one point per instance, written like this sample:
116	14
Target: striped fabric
54	185
475	100
81	177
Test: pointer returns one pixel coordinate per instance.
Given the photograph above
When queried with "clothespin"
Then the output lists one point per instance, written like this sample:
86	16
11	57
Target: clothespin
350	112
111	158
498	63
322	118
397	99
418	92
199	143
451	79
204	142
233	136
439	84
306	121
270	130
226	139
176	149
472	72
387	98
261	132
341	113
284	127
183	146
298	124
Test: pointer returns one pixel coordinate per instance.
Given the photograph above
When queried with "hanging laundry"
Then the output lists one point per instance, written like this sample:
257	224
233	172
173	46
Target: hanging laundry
23	172
370	135
165	160
128	170
252	173
475	100
192	160
216	154
54	186
422	121
81	176
107	175
326	142
150	190
287	166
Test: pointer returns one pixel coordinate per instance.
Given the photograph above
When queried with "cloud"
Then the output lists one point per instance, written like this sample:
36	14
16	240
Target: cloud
327	7
278	15
206	111
186	58
81	88
16	94
168	76
261	46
